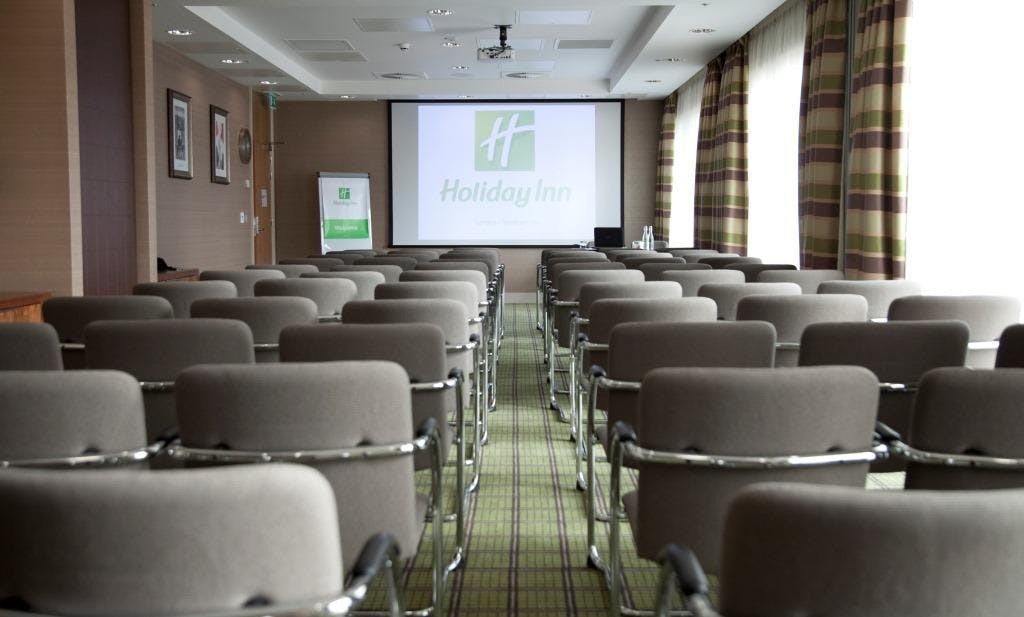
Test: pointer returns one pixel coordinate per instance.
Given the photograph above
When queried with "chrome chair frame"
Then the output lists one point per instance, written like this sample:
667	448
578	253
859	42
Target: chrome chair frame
428	436
90	461
553	355
900	449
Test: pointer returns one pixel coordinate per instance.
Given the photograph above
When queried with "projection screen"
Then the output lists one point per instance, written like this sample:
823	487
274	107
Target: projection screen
504	173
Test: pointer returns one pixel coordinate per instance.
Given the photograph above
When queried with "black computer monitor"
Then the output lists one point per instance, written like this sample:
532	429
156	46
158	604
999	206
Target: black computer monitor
608	237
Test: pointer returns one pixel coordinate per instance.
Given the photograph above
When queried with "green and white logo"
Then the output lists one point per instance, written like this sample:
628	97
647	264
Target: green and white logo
344	192
504	140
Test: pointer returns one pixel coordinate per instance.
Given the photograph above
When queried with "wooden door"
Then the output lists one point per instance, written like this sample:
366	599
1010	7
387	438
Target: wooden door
262	181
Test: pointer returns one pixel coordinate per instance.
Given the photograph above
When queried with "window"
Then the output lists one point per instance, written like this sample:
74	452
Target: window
965	210
684	165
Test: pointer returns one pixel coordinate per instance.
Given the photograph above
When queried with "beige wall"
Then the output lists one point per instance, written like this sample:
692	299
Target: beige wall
197	220
352	137
40	198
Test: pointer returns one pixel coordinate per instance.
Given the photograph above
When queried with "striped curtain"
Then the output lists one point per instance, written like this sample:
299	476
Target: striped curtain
822	110
666	159
720	195
877	167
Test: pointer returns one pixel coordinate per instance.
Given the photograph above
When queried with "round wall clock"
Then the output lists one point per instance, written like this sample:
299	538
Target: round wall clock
245	146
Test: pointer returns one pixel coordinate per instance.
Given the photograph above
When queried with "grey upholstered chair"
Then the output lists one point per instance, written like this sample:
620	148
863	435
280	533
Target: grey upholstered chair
728	295
556	267
695	255
985	316
898	353
419	256
70	314
810	550
361	252
292	271
434	253
390	272
346	258
620	254
266	317
244	280
721	261
449	264
793	313
966	432
808	280
634	263
29	347
703	434
578	255
879	294
405	263
323	264
181	294
330	295
653	270
490	258
71	418
365	282
693	280
155	351
752	270
352	421
1011	348
475	278
185	542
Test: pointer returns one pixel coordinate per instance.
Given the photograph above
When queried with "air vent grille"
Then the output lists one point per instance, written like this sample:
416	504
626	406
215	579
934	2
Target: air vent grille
584	43
394	24
320	44
335	56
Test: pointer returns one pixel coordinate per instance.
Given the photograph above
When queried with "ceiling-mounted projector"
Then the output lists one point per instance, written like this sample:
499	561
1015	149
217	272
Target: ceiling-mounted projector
501	51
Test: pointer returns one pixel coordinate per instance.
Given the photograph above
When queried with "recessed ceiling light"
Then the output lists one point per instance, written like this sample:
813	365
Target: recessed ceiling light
233	61
344	96
179	32
440	12
267	82
668	59
525	75
653	81
450	42
460	67
465	96
702	30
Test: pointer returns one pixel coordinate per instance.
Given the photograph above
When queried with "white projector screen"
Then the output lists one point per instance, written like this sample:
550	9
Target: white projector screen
504	173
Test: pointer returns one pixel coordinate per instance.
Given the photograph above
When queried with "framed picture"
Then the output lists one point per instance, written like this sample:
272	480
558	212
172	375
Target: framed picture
179	135
220	158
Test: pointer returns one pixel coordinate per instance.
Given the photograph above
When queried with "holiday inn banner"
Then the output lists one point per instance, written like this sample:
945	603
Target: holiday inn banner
344	211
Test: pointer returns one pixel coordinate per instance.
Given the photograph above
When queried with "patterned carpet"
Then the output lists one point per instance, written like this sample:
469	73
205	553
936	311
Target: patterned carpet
527	523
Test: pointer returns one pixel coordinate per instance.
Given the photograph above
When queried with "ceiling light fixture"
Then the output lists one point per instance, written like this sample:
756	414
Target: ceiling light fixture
233	61
267	82
179	32
460	67
449	41
653	81
701	30
668	59
465	96
344	96
440	12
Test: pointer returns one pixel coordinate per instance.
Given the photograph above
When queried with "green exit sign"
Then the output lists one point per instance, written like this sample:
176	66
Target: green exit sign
272	100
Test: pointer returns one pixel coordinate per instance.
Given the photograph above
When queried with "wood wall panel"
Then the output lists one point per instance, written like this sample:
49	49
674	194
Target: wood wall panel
40	207
348	136
144	139
197	220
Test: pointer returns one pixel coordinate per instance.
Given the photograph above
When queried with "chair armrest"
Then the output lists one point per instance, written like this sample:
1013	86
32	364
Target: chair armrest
680	565
624	432
886	434
373	557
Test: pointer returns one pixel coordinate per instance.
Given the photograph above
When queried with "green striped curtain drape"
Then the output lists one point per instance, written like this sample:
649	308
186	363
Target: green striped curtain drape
877	165
720	194
822	112
666	158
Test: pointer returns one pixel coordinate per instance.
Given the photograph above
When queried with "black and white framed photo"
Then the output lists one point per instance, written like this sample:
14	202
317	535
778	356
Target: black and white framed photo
220	158
179	135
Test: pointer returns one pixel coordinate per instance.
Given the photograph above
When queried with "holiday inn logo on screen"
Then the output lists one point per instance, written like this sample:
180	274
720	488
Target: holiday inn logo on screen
504	140
344	192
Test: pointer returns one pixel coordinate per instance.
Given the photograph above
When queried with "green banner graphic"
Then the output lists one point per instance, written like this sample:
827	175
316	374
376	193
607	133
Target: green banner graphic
335	229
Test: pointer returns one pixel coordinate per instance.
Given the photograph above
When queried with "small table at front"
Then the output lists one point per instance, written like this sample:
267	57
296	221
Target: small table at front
183	274
22	305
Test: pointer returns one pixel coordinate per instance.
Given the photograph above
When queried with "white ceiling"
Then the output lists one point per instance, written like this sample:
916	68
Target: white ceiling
258	31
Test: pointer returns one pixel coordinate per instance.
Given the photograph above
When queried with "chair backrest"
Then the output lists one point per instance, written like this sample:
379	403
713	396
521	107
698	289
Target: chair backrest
243	279
620	254
879	294
781	539
752	270
363	252
486	258
405	263
652	270
71	314
56	414
434	253
721	261
478	266
266	316
328	294
1011	348
570	282
419	348
634	263
965	411
792	314
741	412
343	404
29	347
346	258
694	255
556	269
693	280
634	349
365	282
292	271
578	255
323	264
896	352
158	350
181	542
181	294
390	272
985	316
728	295
463	292
592	292
419	256
477	279
808	280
